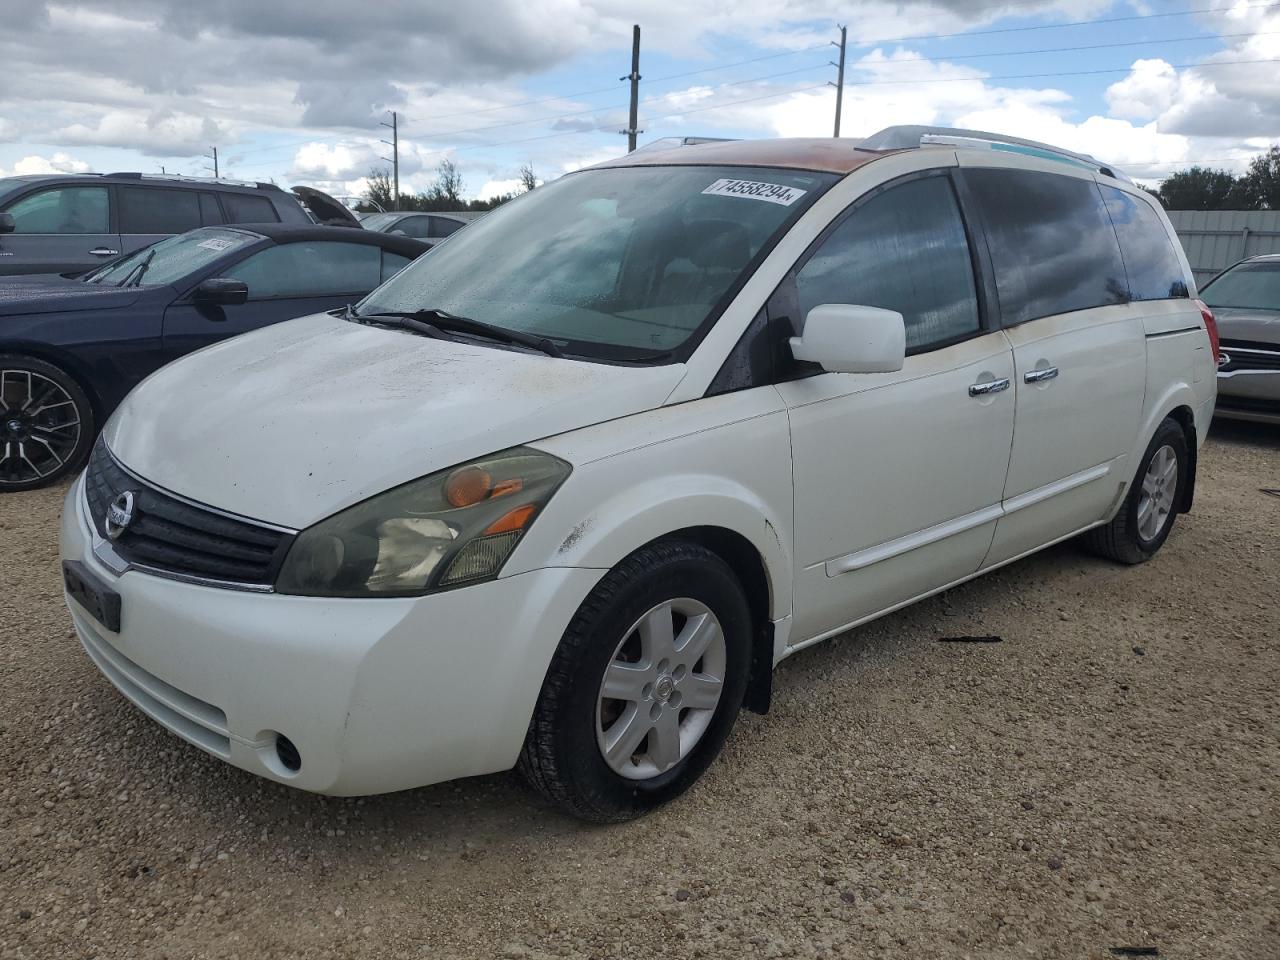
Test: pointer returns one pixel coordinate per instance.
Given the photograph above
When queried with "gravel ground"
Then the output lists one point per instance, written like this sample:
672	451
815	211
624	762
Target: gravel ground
1104	777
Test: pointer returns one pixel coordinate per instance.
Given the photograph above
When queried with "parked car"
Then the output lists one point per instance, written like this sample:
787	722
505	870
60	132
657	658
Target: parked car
431	227
71	348
1246	300
561	494
69	223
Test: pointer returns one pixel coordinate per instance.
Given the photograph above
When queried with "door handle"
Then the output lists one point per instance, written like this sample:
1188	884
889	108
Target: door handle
104	252
989	386
1040	376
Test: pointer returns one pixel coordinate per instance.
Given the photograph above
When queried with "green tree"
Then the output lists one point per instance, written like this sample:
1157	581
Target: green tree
1261	182
1199	188
377	191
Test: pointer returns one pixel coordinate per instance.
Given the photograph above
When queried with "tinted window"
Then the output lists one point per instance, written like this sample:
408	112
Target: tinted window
62	210
1149	258
149	210
167	261
245	209
905	250
1051	242
312	268
416	227
443	226
210	212
393	263
1254	286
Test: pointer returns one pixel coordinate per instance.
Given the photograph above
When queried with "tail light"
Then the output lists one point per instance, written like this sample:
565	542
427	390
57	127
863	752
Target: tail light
1211	325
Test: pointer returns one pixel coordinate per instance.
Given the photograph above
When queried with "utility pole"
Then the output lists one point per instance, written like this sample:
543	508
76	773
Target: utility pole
215	162
634	77
839	84
394	144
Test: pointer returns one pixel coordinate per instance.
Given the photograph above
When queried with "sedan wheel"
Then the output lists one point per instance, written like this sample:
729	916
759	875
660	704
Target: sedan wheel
45	423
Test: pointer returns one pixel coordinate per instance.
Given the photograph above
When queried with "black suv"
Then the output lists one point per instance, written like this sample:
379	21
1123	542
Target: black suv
67	223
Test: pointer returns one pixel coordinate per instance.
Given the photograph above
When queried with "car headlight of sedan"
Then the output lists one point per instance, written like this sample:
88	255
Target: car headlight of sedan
448	529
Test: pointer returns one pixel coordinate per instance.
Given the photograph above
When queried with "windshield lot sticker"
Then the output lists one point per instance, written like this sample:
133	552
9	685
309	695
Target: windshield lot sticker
753	190
216	244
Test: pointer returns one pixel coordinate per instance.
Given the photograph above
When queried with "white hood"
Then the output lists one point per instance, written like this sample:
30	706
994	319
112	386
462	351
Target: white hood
296	421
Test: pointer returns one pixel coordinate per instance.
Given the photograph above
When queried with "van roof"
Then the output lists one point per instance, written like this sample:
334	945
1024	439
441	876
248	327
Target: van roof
825	154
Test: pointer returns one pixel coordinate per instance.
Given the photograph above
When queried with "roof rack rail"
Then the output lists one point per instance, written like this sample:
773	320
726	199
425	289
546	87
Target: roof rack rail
910	136
225	181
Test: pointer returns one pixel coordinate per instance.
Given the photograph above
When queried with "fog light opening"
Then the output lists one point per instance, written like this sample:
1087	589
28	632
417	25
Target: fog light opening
288	754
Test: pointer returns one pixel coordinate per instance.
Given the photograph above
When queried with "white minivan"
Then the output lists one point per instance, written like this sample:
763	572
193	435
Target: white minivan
563	493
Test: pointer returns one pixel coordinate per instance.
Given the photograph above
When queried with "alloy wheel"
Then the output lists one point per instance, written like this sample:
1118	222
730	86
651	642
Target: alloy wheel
1159	487
661	688
39	426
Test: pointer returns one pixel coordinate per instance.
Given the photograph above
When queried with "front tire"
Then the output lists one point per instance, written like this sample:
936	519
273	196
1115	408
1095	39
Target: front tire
1146	517
46	423
644	687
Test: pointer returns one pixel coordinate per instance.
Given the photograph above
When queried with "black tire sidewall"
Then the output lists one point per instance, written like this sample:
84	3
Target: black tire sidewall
84	409
1169	434
706	579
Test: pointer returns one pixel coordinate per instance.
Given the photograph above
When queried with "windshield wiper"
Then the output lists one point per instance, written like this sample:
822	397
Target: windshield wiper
395	321
439	320
134	276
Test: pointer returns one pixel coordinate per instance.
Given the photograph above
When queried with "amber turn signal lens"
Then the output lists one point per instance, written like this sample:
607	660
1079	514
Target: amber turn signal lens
514	520
468	486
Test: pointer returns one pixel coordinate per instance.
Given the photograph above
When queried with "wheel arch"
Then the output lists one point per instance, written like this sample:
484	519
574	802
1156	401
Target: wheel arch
65	362
1185	417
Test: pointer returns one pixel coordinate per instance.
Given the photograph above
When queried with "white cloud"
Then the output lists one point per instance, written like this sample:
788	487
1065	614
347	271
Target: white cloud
58	163
496	188
1145	93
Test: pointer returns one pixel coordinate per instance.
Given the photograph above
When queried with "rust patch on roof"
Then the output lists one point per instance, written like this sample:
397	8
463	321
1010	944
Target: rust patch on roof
826	154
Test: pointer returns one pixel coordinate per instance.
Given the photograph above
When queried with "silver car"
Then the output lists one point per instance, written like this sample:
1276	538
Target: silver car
1245	299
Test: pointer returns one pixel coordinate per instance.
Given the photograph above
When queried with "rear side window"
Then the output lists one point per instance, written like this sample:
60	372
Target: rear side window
210	212
443	226
1149	258
62	210
1051	243
311	268
152	210
242	208
905	250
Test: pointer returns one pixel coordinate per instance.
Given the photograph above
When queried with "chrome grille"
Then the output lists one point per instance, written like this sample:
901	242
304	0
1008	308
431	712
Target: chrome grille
172	536
1246	355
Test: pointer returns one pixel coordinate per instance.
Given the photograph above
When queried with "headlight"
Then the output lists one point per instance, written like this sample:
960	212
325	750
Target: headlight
454	527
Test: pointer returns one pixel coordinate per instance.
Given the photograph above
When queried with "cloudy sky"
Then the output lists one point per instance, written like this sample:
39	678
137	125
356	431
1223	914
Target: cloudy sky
295	89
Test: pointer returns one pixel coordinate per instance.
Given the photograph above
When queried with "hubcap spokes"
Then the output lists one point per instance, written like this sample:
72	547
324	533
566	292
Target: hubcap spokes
661	689
1159	487
39	426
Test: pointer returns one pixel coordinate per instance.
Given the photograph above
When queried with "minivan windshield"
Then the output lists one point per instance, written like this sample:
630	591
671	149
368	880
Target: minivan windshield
1252	286
623	263
172	258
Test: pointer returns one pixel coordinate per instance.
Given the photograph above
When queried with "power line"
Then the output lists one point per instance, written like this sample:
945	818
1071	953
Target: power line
1060	73
1084	46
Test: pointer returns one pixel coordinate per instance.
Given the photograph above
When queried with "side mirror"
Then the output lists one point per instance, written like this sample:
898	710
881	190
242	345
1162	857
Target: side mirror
222	291
6	223
845	338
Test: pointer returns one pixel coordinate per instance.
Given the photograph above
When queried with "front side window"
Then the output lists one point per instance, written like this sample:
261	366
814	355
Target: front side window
1149	258
63	210
310	268
156	210
1051	243
1248	286
167	261
417	227
906	250
392	263
620	263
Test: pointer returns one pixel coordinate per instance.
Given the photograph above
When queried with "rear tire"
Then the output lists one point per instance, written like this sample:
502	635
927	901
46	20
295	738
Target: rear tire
46	423
677	688
1146	517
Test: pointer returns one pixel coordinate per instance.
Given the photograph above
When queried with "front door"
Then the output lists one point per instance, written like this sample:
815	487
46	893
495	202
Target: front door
898	476
63	229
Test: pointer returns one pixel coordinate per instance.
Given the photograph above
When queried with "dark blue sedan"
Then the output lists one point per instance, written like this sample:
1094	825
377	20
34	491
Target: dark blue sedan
71	348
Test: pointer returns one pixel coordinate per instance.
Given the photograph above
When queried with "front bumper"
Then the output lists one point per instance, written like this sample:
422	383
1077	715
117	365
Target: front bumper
1249	395
377	695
